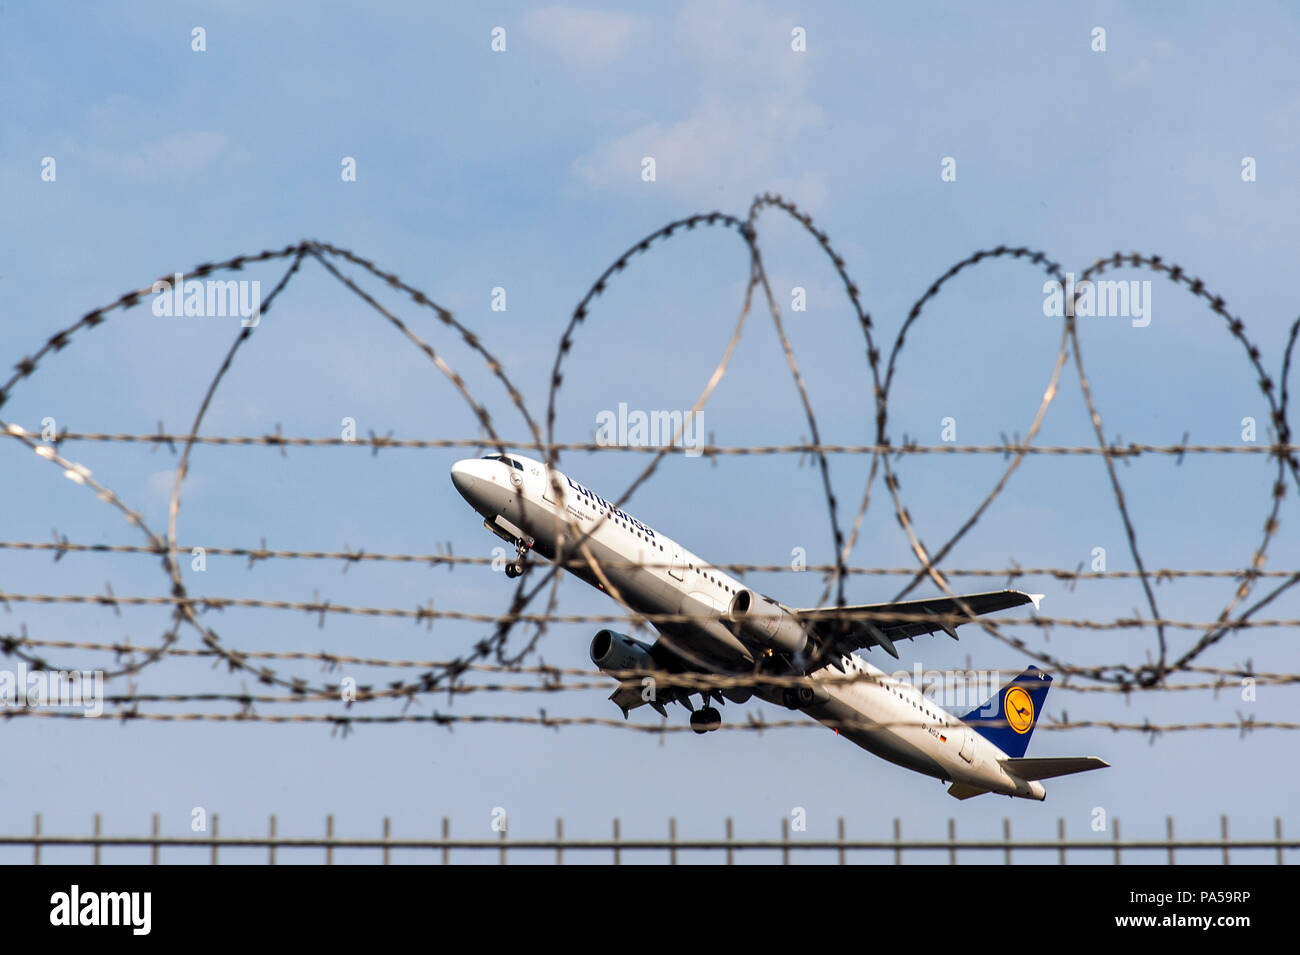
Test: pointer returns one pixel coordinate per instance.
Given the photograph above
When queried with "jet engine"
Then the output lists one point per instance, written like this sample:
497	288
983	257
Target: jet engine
618	651
803	695
764	620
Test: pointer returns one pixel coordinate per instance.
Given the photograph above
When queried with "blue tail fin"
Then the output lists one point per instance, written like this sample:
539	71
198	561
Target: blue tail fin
1007	719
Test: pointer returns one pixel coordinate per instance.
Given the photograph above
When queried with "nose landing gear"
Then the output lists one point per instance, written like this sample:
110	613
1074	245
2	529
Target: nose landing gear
516	567
511	534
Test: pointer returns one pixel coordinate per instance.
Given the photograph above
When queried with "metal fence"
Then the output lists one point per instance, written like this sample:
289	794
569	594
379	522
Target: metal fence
618	848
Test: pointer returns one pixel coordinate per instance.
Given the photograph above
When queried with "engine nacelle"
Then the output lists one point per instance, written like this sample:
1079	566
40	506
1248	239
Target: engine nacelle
804	695
618	651
764	620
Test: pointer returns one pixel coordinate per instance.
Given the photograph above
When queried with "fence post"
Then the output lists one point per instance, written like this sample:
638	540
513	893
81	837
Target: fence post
559	842
1223	826
840	832
329	839
617	858
153	855
98	832
503	844
952	838
898	836
672	841
785	841
731	852
1060	837
1117	859
1006	837
388	831
1169	836
1277	834
271	855
446	835
215	831
36	841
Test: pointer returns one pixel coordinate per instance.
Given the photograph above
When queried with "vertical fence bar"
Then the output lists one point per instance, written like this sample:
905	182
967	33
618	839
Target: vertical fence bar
36	840
1060	837
503	845
617	858
672	841
388	833
215	832
1117	859
1006	837
731	837
153	854
785	841
271	851
559	842
1169	837
1277	834
446	835
329	839
840	832
99	831
1223	828
898	837
952	838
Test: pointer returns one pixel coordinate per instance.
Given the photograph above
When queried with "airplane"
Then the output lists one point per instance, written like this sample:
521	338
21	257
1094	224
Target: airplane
716	625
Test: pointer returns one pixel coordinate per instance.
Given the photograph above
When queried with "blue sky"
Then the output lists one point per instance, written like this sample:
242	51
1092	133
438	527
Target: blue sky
521	170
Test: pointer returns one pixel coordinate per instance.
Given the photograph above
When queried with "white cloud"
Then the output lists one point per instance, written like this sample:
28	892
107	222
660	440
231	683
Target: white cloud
723	150
159	488
747	129
585	38
180	154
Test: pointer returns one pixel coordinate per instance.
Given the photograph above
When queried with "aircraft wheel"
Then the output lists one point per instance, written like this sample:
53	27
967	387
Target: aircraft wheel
514	569
709	718
698	723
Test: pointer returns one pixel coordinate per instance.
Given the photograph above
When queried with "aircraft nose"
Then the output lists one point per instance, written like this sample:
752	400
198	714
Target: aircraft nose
462	475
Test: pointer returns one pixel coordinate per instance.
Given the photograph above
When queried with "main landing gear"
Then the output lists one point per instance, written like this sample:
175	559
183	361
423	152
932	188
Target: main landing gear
706	720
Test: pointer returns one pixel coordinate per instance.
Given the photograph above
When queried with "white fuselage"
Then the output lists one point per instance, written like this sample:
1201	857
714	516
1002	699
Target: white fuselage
657	576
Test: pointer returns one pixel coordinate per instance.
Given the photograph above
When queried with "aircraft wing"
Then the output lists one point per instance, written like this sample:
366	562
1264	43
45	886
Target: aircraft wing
845	629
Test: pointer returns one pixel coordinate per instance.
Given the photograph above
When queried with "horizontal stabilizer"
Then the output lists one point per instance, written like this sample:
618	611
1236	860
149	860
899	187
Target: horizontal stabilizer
965	790
1048	767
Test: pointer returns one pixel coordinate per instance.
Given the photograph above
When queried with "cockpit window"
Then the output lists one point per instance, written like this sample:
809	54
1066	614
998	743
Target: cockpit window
503	459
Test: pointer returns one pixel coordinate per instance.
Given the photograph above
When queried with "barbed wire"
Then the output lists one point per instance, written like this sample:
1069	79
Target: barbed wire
377	443
575	552
1224	676
758	724
600	682
348	556
427	613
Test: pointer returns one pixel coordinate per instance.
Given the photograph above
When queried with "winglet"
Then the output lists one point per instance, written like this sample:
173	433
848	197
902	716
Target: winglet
1035	599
